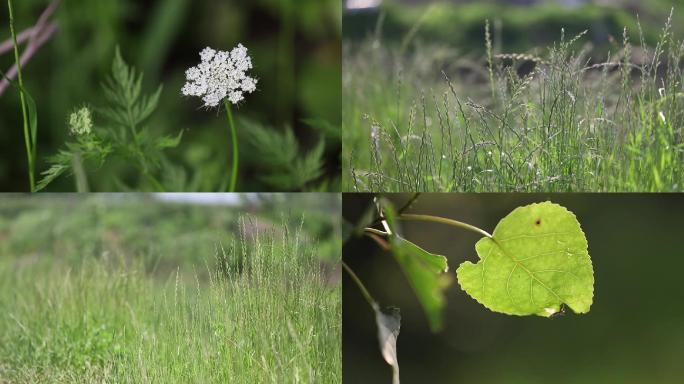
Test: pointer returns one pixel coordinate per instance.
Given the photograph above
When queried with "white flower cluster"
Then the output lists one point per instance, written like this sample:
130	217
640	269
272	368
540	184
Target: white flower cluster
81	122
221	74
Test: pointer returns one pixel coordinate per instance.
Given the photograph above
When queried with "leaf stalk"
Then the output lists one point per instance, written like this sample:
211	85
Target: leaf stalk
444	220
362	287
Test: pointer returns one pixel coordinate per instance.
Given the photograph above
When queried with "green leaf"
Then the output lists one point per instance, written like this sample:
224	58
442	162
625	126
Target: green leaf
309	167
536	260
282	164
123	91
148	105
425	272
331	131
276	148
87	147
60	163
389	323
169	141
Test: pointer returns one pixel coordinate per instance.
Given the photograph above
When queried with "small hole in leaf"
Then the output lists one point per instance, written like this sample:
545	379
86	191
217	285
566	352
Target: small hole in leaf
538	221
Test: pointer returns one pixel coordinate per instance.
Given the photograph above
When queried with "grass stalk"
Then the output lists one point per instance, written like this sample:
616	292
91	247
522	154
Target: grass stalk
29	141
273	317
569	120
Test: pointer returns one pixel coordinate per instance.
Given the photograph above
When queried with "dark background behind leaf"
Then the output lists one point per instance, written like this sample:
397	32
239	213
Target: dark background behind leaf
295	47
634	332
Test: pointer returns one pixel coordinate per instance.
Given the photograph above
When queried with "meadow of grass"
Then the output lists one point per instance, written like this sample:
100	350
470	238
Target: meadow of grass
260	309
421	117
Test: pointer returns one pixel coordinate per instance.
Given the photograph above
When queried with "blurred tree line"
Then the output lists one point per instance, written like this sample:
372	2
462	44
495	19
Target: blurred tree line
162	233
519	25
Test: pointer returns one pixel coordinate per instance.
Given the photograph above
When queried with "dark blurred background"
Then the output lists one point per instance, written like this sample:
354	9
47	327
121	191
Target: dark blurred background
294	44
634	332
517	25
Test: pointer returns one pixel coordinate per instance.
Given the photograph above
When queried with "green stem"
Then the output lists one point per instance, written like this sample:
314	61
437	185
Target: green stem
233	136
80	174
362	287
27	135
142	166
444	220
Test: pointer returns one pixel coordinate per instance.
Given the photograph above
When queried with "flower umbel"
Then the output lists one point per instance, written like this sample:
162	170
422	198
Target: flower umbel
220	75
81	122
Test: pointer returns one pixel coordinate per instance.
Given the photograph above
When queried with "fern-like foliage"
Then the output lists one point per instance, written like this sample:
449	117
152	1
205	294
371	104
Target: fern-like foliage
122	132
85	149
126	113
281	164
331	132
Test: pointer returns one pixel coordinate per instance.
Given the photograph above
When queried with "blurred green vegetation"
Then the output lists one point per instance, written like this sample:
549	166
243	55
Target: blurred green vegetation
127	288
295	47
632	334
401	113
164	235
516	28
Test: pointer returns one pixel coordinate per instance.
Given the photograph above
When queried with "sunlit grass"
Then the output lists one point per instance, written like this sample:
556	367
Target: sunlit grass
261	312
428	119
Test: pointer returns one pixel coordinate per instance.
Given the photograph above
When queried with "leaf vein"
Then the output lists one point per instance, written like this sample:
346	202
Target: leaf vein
508	281
542	254
526	236
484	260
531	273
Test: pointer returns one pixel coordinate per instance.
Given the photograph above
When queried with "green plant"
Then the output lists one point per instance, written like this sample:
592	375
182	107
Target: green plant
221	77
263	312
536	262
28	107
66	50
122	134
282	165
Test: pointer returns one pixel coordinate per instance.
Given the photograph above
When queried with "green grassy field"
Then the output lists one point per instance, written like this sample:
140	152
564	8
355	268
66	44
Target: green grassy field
422	117
262	307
